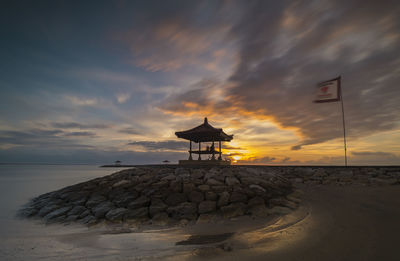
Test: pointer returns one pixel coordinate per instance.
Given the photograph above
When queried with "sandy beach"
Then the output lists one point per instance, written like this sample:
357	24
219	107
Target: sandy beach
344	223
333	223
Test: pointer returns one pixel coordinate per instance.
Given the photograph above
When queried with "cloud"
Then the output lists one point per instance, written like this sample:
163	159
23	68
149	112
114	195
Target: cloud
228	147
123	97
231	154
206	97
257	160
78	101
187	34
76	125
285	49
169	145
129	130
85	156
372	153
40	138
374	158
80	134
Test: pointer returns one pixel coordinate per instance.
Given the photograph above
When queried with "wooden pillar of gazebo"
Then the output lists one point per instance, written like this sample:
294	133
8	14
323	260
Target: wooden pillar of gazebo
190	151
199	151
220	154
213	151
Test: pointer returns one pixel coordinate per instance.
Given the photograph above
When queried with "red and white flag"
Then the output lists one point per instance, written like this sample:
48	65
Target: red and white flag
328	91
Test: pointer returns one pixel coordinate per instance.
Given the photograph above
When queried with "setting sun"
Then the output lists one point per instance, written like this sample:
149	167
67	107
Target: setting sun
236	158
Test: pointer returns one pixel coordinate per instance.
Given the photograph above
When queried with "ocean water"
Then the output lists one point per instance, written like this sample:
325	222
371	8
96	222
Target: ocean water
27	239
19	183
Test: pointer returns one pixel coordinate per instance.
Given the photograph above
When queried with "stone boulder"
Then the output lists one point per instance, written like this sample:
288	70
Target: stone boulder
116	214
175	199
185	210
100	210
207	206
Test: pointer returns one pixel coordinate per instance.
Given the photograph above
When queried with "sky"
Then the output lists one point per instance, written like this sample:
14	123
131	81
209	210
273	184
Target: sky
99	81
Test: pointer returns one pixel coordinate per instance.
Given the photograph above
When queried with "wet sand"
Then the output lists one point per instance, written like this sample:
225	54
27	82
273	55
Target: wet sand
344	223
333	223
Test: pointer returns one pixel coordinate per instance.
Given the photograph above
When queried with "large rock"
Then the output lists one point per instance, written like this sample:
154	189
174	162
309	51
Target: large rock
210	195
95	200
116	214
84	214
196	196
182	172
76	196
184	210
223	199
125	198
139	213
257	189
214	182
141	201
233	210
169	177
160	219
204	187
121	183
256	201
207	206
157	206
71	218
77	210
197	173
176	186
57	213
100	210
175	199
206	218
188	187
47	209
219	189
232	181
379	181
259	211
88	220
237	197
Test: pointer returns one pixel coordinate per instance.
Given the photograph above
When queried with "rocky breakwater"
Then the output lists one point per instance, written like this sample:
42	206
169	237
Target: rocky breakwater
167	196
342	176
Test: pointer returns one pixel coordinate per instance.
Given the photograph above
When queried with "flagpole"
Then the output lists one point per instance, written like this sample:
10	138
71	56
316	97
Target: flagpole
344	125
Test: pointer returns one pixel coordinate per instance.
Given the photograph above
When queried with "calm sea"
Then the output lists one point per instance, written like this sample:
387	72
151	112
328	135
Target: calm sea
22	239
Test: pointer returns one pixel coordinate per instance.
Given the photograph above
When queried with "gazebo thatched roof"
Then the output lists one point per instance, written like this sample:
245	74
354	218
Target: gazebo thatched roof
204	133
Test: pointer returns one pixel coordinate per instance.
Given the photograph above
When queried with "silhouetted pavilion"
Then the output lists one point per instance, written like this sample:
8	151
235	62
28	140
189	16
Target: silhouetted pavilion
204	133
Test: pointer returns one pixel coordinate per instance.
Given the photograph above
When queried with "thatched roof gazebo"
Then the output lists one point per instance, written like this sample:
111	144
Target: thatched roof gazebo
204	133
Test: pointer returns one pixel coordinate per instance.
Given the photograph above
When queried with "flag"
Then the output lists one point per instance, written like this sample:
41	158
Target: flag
328	91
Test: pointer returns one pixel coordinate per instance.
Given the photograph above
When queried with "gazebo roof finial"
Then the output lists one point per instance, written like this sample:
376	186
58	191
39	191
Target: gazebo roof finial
205	120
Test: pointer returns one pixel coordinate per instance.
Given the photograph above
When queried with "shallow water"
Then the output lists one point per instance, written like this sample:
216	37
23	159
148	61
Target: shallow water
18	184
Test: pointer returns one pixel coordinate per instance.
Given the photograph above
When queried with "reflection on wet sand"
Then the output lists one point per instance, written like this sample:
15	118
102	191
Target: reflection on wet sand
197	241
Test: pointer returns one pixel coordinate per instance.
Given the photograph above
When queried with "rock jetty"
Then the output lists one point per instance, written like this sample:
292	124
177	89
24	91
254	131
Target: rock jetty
341	176
167	196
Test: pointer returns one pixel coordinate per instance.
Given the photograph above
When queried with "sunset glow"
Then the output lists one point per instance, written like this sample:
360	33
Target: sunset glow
79	86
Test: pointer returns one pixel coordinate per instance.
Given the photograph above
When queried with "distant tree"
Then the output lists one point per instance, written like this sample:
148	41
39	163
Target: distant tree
117	162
